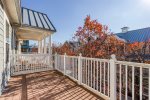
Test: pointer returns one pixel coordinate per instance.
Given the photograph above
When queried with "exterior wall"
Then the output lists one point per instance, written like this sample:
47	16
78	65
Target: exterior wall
1	44
5	48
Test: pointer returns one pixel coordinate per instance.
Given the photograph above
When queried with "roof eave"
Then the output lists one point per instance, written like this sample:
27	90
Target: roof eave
34	27
31	33
13	10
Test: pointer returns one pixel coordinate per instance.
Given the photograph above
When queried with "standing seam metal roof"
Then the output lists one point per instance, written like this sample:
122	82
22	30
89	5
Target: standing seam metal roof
140	35
36	19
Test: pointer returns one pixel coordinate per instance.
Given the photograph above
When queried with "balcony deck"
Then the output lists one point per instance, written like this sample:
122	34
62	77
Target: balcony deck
49	85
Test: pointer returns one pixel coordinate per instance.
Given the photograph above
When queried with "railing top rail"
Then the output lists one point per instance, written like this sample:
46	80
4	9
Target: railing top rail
96	59
88	58
72	56
30	55
133	64
60	55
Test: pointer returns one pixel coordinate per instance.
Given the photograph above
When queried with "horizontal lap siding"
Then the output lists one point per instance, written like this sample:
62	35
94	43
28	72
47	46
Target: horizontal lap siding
1	38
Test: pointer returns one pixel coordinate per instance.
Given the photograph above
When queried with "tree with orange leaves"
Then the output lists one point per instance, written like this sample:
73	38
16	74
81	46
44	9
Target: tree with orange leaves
139	51
96	40
63	48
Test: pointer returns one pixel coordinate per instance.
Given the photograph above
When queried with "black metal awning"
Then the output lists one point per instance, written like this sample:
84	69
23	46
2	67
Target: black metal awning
36	19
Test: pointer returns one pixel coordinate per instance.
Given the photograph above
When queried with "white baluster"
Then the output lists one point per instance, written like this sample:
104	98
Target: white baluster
100	77
65	64
126	88
132	82
120	83
141	82
104	77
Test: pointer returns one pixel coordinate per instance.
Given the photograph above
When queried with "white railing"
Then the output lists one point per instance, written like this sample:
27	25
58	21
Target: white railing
60	63
133	79
110	79
71	66
91	73
30	63
95	75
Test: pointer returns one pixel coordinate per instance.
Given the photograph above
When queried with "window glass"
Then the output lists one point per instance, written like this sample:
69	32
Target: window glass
48	22
7	42
25	17
38	20
7	32
43	21
32	19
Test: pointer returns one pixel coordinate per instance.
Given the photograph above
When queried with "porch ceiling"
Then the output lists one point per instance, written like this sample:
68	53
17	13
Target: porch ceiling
29	33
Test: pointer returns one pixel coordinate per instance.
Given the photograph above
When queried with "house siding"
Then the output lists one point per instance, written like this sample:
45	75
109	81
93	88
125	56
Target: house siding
1	38
5	39
2	80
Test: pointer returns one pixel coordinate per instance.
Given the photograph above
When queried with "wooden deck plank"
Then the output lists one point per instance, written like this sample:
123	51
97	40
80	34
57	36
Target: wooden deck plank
48	85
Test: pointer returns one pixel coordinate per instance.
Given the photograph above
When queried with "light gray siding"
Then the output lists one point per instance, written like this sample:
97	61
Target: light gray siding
1	37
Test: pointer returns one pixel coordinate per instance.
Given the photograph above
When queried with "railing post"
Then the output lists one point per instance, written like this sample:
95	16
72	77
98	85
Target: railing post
79	69
55	60
113	89
65	64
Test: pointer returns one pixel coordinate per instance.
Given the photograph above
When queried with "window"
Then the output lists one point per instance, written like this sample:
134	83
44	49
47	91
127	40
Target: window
25	43
7	32
7	42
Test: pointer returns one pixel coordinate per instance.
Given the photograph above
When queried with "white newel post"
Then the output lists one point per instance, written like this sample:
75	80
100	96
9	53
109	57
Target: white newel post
42	47
80	69
113	89
39	46
45	48
55	60
50	51
65	64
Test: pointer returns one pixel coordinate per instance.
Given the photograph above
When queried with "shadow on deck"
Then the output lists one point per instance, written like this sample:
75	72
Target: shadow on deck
49	85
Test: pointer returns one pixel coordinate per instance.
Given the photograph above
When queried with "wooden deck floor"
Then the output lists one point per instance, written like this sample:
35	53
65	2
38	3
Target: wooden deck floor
45	86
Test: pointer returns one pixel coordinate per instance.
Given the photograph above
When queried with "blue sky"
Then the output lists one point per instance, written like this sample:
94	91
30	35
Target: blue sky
68	15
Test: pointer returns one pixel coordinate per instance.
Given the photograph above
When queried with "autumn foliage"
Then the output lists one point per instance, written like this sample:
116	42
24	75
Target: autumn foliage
63	48
139	50
97	41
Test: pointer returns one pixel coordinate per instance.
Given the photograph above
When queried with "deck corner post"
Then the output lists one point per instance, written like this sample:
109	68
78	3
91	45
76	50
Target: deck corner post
65	64
79	69
55	60
113	89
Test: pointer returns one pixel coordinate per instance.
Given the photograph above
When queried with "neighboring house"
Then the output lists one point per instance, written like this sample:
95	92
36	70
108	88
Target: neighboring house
74	45
139	35
16	25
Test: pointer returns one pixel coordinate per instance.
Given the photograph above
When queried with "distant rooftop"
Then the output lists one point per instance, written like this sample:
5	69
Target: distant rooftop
139	35
36	19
